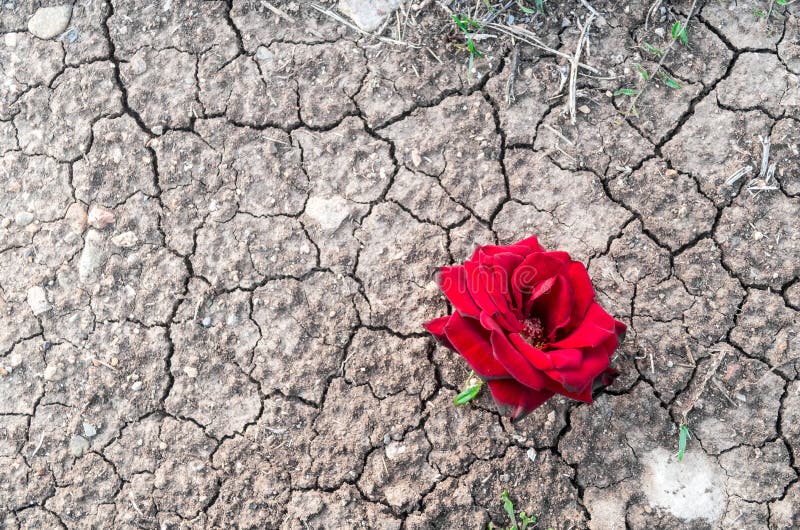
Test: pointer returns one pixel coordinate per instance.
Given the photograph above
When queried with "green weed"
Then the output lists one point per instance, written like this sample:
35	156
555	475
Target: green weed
679	34
524	519
682	438
470	392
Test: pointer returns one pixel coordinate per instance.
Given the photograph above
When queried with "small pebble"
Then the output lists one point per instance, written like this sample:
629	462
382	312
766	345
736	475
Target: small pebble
263	53
78	445
531	454
5	223
50	372
125	239
100	217
89	430
37	300
190	371
416	159
49	22
23	218
136	386
206	322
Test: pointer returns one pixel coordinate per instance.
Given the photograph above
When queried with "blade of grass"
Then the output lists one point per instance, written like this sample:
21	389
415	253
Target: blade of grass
682	442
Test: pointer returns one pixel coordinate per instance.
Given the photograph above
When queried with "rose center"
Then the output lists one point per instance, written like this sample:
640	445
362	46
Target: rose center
533	332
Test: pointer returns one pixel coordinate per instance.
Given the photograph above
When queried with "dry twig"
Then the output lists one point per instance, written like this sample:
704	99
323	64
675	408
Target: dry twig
573	73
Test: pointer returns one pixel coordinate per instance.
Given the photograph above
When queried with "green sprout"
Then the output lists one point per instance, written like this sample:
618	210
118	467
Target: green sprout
625	92
679	33
667	80
470	392
759	13
466	25
642	71
528	10
682	437
652	49
524	519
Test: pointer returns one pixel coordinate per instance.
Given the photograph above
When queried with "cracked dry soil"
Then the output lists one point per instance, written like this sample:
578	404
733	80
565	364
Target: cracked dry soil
219	233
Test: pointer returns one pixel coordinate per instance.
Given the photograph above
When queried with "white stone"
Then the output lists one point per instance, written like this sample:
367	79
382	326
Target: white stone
23	218
37	300
10	39
100	217
93	254
329	213
89	430
50	372
78	445
125	239
368	14
50	22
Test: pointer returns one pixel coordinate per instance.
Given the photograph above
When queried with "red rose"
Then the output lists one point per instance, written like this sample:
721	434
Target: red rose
527	323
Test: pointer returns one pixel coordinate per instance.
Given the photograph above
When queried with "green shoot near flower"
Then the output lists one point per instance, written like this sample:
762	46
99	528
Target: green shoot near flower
470	392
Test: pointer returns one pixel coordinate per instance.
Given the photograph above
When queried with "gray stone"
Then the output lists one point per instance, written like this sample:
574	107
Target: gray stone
49	22
368	14
78	445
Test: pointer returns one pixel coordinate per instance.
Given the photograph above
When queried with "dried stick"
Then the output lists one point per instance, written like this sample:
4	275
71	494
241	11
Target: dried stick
573	72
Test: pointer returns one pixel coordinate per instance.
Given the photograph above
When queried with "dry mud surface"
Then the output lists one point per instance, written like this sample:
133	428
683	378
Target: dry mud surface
218	233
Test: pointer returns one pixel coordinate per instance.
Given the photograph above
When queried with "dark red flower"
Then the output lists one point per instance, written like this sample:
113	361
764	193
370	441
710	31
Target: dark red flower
527	323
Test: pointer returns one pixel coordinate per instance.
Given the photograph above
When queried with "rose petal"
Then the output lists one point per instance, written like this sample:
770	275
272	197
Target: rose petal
582	289
520	399
516	364
472	342
436	328
596	327
595	362
554	307
621	330
453	282
484	288
533	270
532	243
549	360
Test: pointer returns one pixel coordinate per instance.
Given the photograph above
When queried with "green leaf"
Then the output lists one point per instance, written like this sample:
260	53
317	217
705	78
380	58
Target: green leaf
540	6
780	2
652	49
471	22
679	33
682	442
460	23
467	395
625	92
508	506
524	9
642	72
759	13
525	520
667	80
